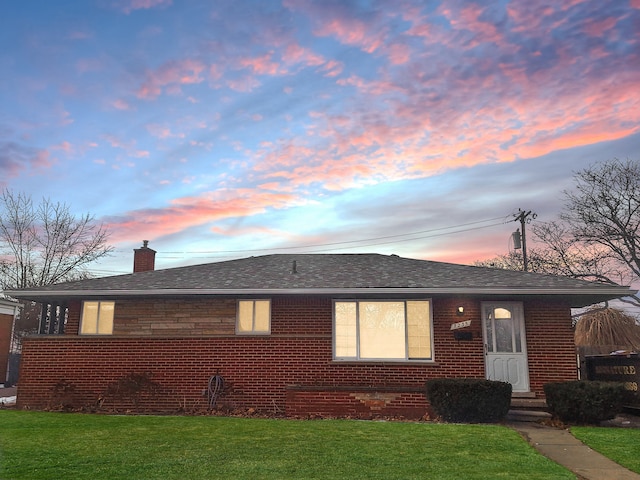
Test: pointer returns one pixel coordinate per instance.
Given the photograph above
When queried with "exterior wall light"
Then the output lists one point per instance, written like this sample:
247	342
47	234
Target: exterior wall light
460	311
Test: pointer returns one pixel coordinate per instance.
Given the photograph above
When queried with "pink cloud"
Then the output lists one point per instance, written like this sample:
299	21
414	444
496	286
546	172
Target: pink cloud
215	72
188	212
375	88
336	21
295	53
120	104
333	68
598	28
282	155
537	19
243	84
162	132
399	54
42	160
128	6
263	65
352	32
16	158
65	146
171	76
469	30
270	186
403	131
127	146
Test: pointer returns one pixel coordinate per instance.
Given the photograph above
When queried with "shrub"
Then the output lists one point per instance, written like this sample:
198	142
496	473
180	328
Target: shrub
583	401
133	389
469	400
63	396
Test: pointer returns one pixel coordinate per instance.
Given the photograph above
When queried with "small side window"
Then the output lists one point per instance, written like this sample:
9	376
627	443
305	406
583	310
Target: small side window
97	318
254	317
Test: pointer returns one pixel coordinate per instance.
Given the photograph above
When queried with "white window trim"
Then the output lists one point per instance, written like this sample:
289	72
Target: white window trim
382	360
253	331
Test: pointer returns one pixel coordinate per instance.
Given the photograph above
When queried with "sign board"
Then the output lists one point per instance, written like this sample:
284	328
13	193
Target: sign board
616	368
456	326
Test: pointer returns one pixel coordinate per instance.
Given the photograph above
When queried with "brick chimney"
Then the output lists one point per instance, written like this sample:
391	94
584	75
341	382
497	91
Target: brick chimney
144	258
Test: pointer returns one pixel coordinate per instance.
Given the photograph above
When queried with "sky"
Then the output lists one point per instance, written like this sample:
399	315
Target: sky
225	129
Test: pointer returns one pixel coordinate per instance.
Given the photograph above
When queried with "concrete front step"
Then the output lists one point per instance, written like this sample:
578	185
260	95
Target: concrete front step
527	415
527	403
527	408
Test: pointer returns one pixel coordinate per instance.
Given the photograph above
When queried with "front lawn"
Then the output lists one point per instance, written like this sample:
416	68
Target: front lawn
37	445
622	445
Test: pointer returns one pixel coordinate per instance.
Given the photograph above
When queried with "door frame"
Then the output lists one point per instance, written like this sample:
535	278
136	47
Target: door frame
517	309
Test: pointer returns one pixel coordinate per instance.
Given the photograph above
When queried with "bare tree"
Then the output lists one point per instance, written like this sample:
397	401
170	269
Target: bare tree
46	243
567	255
537	261
604	211
598	234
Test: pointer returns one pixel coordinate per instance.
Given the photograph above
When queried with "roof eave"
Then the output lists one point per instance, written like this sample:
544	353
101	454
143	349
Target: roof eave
600	292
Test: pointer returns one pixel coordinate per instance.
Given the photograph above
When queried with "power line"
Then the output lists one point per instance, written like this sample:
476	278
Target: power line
417	238
356	241
368	242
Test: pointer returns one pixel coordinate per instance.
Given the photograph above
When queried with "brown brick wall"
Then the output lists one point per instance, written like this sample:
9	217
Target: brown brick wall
289	371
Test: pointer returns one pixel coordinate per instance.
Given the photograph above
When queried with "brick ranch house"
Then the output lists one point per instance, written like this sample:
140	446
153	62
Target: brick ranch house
311	334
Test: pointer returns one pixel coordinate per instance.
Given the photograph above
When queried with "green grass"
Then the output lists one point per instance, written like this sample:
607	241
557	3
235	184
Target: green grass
37	445
622	445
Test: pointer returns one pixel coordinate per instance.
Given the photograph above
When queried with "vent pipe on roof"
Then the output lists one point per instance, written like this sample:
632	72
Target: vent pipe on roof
144	258
294	267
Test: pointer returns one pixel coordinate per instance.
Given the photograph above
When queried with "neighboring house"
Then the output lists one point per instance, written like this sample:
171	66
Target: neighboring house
8	311
309	334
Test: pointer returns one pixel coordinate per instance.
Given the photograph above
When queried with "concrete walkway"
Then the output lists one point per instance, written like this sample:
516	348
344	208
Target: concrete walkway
563	448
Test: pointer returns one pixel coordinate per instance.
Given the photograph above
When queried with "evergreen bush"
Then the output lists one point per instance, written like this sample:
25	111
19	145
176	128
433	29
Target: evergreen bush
469	400
584	401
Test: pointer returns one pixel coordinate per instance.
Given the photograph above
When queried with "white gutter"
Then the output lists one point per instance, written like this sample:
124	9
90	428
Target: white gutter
8	307
615	291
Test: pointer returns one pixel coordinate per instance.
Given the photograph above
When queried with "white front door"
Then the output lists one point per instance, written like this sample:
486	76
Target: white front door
505	344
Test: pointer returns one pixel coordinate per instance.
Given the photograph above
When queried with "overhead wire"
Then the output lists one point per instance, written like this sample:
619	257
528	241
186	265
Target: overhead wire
347	244
356	241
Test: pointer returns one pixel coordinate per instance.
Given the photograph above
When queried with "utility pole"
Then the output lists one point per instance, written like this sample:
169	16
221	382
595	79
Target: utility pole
523	218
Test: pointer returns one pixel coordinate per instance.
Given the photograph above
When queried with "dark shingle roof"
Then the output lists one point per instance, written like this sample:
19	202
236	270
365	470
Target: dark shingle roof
326	273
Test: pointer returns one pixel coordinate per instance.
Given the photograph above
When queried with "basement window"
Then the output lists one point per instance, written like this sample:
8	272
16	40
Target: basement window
382	330
97	318
254	317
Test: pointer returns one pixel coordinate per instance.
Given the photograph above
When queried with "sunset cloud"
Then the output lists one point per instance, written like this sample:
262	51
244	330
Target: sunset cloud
128	6
171	75
315	120
188	212
263	65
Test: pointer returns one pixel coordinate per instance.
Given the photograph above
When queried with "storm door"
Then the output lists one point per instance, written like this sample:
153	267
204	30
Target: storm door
505	344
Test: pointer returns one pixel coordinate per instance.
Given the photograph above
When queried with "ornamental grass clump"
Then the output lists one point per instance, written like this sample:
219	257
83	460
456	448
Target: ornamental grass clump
608	327
469	400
